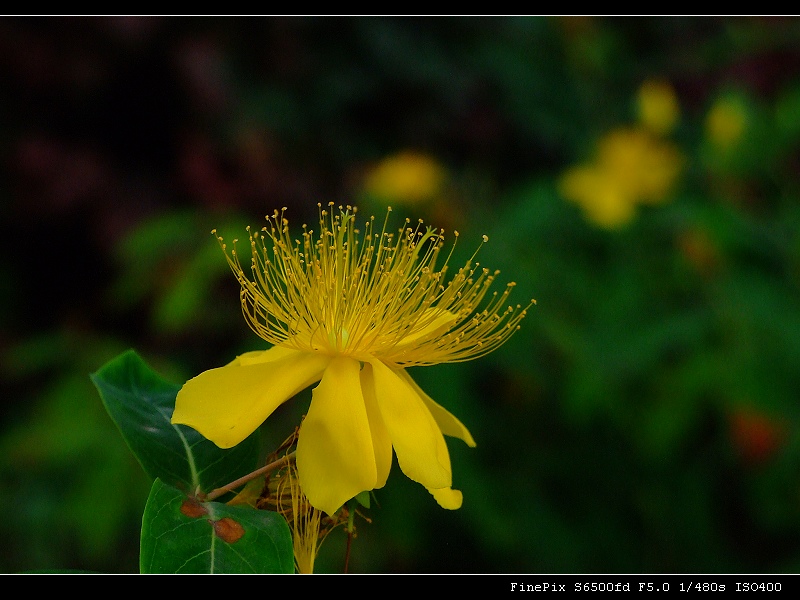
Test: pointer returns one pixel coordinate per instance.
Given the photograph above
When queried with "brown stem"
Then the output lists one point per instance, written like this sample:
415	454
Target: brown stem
347	552
249	477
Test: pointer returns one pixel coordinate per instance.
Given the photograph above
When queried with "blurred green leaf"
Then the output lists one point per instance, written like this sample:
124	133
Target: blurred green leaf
141	404
182	535
787	114
186	299
173	262
68	475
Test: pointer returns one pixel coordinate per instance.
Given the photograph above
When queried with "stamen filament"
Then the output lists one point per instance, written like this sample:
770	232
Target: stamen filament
370	294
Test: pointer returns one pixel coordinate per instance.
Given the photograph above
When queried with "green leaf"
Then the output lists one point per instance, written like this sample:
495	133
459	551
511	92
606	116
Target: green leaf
363	499
182	535
141	403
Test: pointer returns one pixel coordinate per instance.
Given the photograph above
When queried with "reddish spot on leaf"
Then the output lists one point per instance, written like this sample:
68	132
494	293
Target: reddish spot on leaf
192	508
228	530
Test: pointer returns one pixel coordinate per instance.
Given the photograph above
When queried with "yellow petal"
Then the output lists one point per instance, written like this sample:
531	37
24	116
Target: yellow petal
434	320
417	439
448	498
227	404
262	356
380	437
335	455
447	422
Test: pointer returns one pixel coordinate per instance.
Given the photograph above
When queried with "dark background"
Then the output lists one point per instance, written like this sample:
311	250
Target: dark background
644	419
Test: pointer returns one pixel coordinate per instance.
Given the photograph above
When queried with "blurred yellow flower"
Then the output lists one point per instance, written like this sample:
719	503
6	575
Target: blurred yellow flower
351	309
407	177
658	106
631	167
726	122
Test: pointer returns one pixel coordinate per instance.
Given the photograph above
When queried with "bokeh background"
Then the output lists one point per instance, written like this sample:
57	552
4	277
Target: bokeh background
639	177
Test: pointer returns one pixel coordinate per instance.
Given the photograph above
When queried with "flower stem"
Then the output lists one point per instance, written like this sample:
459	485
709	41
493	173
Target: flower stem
249	477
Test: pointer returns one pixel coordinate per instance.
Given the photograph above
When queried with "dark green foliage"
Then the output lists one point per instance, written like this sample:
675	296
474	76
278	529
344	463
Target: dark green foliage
141	404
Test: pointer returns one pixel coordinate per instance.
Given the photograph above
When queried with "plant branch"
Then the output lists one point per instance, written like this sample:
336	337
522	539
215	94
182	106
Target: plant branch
249	477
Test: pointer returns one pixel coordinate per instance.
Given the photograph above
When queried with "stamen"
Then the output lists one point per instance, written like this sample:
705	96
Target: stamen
371	294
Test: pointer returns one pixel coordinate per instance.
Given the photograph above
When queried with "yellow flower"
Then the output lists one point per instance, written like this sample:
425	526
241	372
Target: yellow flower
407	177
351	310
631	167
658	107
726	122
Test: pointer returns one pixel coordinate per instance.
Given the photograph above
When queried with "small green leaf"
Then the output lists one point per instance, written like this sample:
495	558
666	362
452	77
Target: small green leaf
141	403
182	535
363	499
